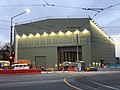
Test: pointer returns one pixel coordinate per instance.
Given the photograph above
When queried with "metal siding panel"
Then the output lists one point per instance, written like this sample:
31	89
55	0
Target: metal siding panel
40	61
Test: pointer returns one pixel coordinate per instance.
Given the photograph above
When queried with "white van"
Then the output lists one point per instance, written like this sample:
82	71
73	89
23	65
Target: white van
20	66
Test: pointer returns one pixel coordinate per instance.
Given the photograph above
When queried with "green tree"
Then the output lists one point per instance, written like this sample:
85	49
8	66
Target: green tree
5	51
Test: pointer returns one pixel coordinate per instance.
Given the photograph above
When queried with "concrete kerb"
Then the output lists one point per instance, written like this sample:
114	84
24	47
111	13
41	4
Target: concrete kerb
48	72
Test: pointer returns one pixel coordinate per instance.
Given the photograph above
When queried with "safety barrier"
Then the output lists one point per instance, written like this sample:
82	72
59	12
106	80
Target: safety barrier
71	69
23	71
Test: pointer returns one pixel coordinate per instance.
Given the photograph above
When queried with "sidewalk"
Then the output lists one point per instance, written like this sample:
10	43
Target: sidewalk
44	72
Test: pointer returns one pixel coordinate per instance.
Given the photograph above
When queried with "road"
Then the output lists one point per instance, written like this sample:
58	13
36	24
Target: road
96	81
62	81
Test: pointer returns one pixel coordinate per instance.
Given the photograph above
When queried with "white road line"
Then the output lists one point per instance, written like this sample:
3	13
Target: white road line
65	80
103	84
89	86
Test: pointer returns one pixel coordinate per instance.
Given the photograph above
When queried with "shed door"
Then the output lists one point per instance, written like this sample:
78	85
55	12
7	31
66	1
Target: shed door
40	61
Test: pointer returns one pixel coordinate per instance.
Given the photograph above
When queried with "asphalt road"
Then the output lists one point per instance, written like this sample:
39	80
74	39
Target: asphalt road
35	82
62	81
97	81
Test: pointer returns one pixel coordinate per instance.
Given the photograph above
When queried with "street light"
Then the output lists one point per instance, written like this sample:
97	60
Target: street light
11	30
77	33
77	51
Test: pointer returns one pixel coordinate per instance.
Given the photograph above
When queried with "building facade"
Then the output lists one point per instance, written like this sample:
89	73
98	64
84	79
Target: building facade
51	42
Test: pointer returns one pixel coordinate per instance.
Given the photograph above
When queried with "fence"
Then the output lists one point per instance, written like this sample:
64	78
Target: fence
14	72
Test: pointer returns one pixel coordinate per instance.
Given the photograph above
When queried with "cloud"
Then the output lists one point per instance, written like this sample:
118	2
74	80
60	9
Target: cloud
3	39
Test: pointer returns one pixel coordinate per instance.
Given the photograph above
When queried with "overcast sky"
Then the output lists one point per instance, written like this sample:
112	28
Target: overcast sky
109	19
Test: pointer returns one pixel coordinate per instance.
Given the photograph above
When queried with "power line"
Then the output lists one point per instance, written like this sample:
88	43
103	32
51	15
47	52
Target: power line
22	5
112	27
4	28
37	5
98	10
46	2
5	21
114	9
64	6
112	6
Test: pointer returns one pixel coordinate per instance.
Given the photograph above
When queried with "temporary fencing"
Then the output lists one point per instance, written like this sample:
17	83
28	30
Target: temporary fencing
23	71
71	69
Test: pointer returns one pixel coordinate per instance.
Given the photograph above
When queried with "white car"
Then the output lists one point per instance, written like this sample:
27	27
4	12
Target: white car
20	66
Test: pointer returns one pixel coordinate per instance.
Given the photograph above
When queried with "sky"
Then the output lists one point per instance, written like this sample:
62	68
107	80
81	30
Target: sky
108	19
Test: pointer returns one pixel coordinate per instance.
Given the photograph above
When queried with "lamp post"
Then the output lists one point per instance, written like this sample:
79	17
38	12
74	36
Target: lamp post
13	31
77	51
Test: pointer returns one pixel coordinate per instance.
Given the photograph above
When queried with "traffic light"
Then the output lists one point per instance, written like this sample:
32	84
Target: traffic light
13	54
10	59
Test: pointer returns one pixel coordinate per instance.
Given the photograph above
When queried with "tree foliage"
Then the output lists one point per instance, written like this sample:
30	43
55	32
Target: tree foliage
5	51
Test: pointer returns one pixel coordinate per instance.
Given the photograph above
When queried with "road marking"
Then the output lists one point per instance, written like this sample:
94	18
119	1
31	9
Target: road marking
103	85
75	86
65	80
87	86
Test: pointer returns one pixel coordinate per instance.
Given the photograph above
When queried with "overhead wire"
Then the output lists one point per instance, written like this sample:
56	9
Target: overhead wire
4	29
1	25
47	4
112	27
5	21
98	10
22	5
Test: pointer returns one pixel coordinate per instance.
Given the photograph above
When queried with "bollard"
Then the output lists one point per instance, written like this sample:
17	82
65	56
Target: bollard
63	69
54	70
46	70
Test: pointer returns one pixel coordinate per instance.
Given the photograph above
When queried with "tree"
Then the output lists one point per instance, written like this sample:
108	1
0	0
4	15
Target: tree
5	51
